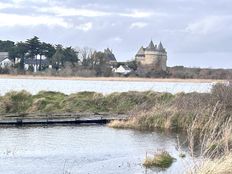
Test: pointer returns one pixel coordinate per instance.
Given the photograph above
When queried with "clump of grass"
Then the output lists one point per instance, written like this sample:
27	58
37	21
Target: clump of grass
161	159
47	101
84	102
121	124
15	102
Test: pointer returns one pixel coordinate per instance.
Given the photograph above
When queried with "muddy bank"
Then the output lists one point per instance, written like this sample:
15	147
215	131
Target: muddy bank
135	79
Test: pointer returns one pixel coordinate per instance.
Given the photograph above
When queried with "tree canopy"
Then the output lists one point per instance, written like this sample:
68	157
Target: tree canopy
34	48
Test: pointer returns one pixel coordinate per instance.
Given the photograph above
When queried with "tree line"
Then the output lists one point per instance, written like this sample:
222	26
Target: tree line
57	55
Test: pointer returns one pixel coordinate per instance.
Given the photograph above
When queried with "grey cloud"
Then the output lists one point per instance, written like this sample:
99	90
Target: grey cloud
195	32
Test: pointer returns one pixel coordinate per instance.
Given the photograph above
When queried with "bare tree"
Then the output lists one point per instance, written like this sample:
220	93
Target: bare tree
85	55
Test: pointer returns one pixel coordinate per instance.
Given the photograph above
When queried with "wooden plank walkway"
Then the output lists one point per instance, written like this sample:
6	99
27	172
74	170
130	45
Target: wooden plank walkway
65	118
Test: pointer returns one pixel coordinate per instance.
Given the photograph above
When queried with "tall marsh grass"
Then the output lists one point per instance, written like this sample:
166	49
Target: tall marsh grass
207	119
221	165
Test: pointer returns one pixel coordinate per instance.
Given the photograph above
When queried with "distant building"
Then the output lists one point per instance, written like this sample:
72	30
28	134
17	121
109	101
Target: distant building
122	69
153	56
4	60
34	63
110	58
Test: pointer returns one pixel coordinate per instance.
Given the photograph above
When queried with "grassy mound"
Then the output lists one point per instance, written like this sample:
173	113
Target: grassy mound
162	159
46	102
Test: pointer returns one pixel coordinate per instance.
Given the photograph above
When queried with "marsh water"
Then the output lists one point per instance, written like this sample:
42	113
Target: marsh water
73	86
83	149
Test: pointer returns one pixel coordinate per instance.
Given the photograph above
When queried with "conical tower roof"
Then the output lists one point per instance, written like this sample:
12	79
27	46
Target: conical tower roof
160	47
151	46
140	52
109	55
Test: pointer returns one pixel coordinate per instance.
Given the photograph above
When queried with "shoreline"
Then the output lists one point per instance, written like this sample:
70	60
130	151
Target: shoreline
128	79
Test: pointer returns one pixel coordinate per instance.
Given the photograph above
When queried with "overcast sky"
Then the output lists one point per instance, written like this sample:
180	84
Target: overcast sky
196	33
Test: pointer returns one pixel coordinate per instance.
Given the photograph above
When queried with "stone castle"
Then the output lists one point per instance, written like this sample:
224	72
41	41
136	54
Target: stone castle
153	56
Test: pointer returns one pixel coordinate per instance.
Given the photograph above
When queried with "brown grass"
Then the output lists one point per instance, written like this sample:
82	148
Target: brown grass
221	165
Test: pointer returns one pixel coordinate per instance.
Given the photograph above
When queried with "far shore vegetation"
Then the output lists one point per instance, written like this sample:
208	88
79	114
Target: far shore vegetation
88	62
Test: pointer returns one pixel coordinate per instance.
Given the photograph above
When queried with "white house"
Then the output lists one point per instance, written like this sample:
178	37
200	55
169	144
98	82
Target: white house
35	64
4	60
122	69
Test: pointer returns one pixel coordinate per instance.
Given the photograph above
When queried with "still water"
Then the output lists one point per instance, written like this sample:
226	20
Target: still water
73	86
83	150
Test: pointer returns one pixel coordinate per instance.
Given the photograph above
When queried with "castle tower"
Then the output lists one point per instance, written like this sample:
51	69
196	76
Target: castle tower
140	54
153	56
110	58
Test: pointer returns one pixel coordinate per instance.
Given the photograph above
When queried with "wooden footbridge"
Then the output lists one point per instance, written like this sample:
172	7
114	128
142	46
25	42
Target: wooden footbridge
55	119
